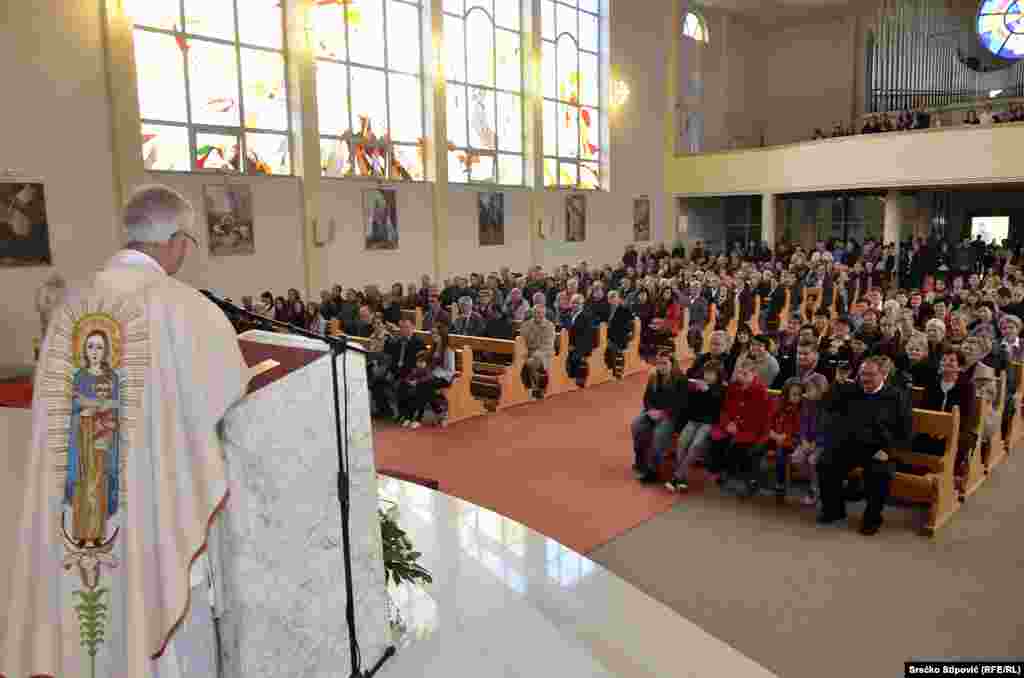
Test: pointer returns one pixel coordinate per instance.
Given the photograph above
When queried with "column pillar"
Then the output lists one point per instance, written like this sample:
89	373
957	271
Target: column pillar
306	143
769	209
672	117
122	93
438	141
534	132
893	221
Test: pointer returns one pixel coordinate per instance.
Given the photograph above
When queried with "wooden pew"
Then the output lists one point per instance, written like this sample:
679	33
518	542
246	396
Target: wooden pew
755	320
683	349
816	292
975	472
461	404
735	322
1016	428
558	376
996	450
709	328
937	487
507	378
597	370
633	363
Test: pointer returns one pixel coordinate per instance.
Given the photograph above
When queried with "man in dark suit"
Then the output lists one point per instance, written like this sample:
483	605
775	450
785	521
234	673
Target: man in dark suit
869	418
400	356
582	337
620	330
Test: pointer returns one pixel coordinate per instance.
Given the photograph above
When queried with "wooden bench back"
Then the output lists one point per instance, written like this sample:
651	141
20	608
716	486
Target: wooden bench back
415	315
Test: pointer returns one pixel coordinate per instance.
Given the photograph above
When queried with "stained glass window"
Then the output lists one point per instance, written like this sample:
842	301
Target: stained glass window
369	84
695	27
1001	28
212	86
574	93
484	73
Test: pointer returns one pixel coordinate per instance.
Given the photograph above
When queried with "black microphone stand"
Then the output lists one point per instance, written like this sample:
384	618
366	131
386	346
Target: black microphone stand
338	346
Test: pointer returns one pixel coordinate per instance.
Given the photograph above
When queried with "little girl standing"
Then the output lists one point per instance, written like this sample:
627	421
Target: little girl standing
703	410
811	441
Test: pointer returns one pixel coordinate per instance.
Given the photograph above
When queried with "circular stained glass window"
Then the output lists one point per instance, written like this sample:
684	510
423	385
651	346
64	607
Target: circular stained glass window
1001	27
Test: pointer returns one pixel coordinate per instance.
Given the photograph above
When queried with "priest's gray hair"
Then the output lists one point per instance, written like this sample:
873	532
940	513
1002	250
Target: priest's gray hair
154	213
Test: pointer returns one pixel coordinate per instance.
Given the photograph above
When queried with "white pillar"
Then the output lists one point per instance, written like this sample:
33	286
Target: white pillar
893	222
769	204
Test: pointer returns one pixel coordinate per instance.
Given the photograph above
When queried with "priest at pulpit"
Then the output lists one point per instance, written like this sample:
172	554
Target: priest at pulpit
127	474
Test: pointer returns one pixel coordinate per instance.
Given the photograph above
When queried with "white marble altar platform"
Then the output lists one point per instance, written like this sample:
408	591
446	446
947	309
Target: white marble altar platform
508	601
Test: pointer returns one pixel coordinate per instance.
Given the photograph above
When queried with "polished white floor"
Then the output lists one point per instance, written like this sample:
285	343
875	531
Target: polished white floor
505	601
508	601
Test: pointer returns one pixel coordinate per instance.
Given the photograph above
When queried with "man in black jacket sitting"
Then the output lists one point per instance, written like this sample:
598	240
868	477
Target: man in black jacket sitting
400	356
620	330
868	419
582	337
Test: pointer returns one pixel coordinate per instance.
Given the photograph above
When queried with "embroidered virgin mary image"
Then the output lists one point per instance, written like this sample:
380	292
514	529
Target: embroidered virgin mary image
92	483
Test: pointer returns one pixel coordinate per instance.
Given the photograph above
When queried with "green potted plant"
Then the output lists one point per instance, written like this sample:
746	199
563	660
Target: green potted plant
401	564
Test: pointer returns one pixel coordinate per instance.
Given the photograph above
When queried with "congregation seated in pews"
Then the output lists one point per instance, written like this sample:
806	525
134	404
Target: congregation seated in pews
812	327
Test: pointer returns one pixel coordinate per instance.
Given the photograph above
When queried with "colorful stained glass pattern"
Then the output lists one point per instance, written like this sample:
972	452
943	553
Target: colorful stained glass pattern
482	126
267	154
694	27
1001	28
213	84
571	43
263	90
234	66
160	69
216	151
165	148
484	61
378	73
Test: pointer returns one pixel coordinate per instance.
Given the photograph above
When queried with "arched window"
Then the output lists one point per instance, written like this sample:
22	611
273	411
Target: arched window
573	93
484	72
211	85
695	27
369	82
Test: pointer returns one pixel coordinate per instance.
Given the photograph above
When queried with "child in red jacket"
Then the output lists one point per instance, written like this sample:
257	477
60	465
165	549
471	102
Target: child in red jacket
743	427
785	432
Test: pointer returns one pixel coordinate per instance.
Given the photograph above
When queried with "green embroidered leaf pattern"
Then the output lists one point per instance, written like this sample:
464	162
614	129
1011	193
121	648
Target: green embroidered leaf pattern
92	617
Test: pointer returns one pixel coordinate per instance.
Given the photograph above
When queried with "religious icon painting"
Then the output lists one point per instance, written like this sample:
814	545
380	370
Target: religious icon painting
641	219
381	214
575	217
229	218
491	208
93	375
24	228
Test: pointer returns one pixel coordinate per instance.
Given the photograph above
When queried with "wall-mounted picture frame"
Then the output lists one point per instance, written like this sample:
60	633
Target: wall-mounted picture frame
24	225
491	225
576	217
229	219
380	212
642	219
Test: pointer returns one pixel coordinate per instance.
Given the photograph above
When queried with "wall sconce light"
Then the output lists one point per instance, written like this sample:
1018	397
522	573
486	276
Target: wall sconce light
620	92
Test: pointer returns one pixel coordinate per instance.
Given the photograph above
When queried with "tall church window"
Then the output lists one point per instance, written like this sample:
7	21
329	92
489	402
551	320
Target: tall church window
484	72
212	86
574	93
370	93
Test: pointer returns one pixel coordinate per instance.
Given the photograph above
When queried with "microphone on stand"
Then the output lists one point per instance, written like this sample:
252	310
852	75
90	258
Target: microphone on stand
338	346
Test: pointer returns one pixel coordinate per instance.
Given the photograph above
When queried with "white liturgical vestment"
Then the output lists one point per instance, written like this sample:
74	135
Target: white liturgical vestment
125	479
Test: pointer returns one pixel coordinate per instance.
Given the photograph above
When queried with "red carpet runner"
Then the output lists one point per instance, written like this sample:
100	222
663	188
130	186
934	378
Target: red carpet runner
561	466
